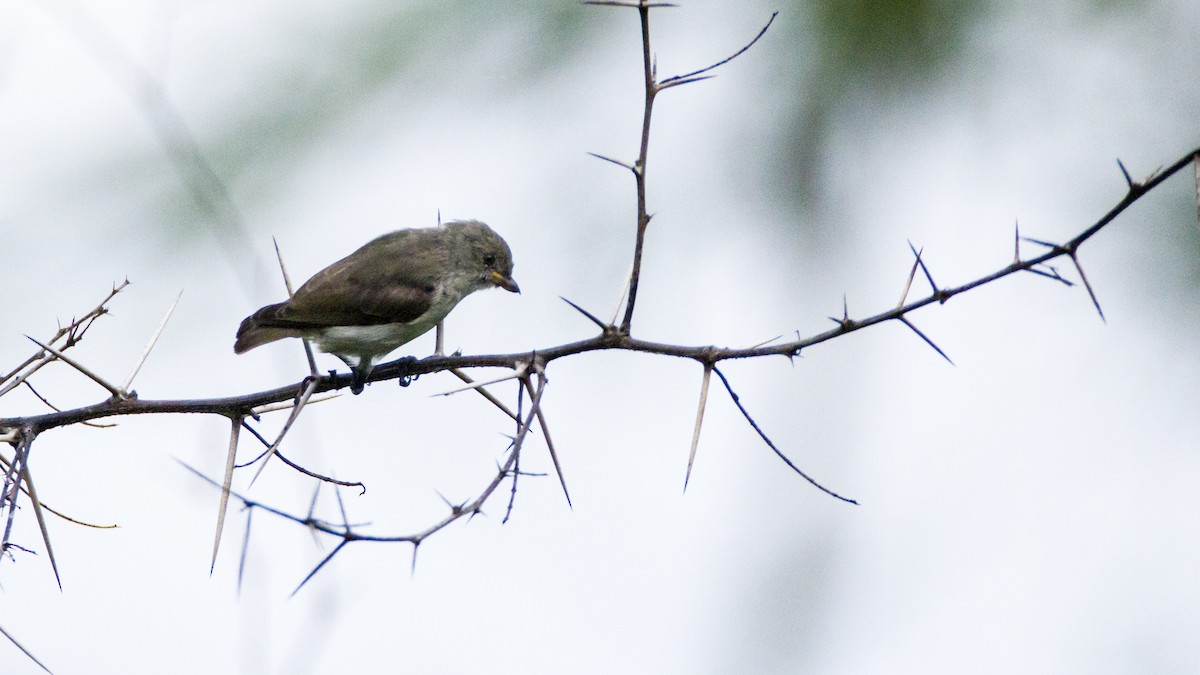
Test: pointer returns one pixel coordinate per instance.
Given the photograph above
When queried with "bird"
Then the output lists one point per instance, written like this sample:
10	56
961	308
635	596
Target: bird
388	292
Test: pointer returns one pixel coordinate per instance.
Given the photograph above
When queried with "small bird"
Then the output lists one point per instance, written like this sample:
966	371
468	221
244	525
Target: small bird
392	290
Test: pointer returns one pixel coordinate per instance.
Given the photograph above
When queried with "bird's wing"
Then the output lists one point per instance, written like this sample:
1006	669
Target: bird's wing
392	279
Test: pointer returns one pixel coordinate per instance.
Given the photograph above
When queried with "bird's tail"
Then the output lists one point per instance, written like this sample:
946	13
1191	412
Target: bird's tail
252	333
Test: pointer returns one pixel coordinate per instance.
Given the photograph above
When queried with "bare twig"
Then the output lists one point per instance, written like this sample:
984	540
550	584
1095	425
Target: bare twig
754	425
283	458
74	332
309	388
696	75
24	651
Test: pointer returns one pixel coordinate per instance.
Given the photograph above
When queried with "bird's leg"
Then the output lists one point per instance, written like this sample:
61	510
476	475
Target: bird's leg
360	378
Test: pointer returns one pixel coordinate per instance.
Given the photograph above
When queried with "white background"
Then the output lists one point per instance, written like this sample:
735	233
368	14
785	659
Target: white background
1031	509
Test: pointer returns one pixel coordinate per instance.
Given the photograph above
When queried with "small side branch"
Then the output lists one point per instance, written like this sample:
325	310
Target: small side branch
761	434
696	75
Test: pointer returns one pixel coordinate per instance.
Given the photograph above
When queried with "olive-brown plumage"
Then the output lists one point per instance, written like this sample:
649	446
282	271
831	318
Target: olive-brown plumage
388	292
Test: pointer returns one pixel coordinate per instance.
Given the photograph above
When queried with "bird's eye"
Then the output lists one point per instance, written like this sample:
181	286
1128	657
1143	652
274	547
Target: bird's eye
489	260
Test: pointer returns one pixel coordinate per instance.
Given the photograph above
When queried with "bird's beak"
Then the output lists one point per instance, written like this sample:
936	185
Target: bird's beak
506	283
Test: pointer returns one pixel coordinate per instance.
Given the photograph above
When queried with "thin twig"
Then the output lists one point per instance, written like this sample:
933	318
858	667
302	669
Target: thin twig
309	388
74	332
745	413
283	458
24	651
692	76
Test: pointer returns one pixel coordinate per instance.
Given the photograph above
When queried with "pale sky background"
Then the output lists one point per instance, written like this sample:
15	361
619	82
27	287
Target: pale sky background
1031	509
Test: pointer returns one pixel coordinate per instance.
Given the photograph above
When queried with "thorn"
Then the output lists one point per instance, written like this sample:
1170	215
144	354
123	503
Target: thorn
320	565
1055	247
603	326
614	161
845	321
1128	179
117	393
1196	169
1016	242
150	345
708	368
226	483
1052	274
912	274
921	261
929	342
1088	286
245	550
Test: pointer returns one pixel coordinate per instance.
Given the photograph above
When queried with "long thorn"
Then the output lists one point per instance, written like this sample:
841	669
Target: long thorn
541	417
924	337
41	521
150	345
287	283
321	564
586	313
226	483
308	391
708	368
117	393
1088	286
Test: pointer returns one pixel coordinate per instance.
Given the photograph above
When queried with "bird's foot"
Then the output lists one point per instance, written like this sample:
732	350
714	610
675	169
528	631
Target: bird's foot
405	380
358	382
